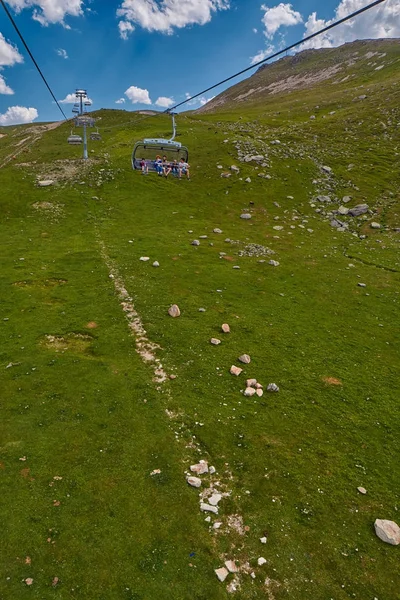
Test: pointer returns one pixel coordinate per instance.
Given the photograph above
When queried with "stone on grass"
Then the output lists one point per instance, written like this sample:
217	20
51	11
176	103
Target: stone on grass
194	481
231	566
358	210
29	581
245	359
222	574
225	328
174	311
208	508
260	392
195	243
245	216
323	198
144	258
346	199
248	180
215	341
263	540
226	175
216	230
363	285
200	468
202	310
156	263
326	169
278	228
274	263
214	499
387	531
249	391
235	168
251	382
343	210
217	525
212	470
234	370
362	490
375	226
272	387
45	183
261	561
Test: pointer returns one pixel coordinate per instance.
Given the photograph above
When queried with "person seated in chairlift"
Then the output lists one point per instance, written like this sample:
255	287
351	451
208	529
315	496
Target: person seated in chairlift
144	166
159	165
175	167
184	168
166	166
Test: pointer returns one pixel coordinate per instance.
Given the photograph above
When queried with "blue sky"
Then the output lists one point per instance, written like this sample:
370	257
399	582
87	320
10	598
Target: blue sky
141	51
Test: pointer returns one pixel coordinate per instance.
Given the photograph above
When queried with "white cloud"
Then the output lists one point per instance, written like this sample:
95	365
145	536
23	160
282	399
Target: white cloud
9	54
382	21
63	53
255	30
71	99
282	15
169	14
203	100
262	54
164	102
4	88
125	29
120	101
50	11
137	95
18	114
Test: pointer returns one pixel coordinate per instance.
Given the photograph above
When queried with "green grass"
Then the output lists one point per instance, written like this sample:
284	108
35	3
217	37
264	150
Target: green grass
92	415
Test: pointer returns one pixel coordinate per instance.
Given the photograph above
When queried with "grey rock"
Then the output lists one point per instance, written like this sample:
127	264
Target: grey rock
343	210
194	481
174	311
375	226
216	230
323	198
45	183
235	169
214	499
208	508
200	468
346	199
272	387
222	574
249	391
144	258
195	243
215	341
326	169
225	328
274	263
156	263
248	180
202	310
245	359
387	531
358	210
231	566
362	490
234	370
363	285
203	237
245	216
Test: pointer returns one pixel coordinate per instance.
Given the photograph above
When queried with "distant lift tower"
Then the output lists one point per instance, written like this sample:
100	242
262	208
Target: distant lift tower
83	118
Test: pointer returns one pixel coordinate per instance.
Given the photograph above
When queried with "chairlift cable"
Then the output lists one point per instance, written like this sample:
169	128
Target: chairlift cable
276	54
32	57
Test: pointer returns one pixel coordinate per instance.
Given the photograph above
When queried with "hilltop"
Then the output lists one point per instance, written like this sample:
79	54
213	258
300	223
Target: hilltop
328	71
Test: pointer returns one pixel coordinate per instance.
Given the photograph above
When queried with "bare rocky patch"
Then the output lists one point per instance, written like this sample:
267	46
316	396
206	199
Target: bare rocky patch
76	343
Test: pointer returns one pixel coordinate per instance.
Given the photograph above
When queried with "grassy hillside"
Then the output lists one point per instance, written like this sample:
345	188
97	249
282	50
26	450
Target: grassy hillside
96	435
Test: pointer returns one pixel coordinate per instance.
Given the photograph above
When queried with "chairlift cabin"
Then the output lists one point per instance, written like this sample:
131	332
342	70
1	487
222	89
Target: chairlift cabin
95	136
75	140
149	148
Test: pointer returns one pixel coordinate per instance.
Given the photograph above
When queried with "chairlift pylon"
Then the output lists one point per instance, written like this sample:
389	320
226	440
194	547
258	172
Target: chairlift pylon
169	148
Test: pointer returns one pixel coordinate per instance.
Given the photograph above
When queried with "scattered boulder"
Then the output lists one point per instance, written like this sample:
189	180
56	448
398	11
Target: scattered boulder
156	263
249	392
245	359
363	285
375	226
358	210
200	468
216	230
387	531
251	382
260	392
346	199
174	311
261	561
274	263
195	243
226	175
215	341
212	470
234	370
343	210
231	566
222	574
245	216
45	183
272	387
326	169
144	258
323	198
194	481
248	180
362	490
235	169
225	328
263	540
214	499
208	508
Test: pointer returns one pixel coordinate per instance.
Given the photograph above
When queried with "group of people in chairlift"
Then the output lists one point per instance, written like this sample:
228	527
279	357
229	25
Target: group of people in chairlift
164	167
